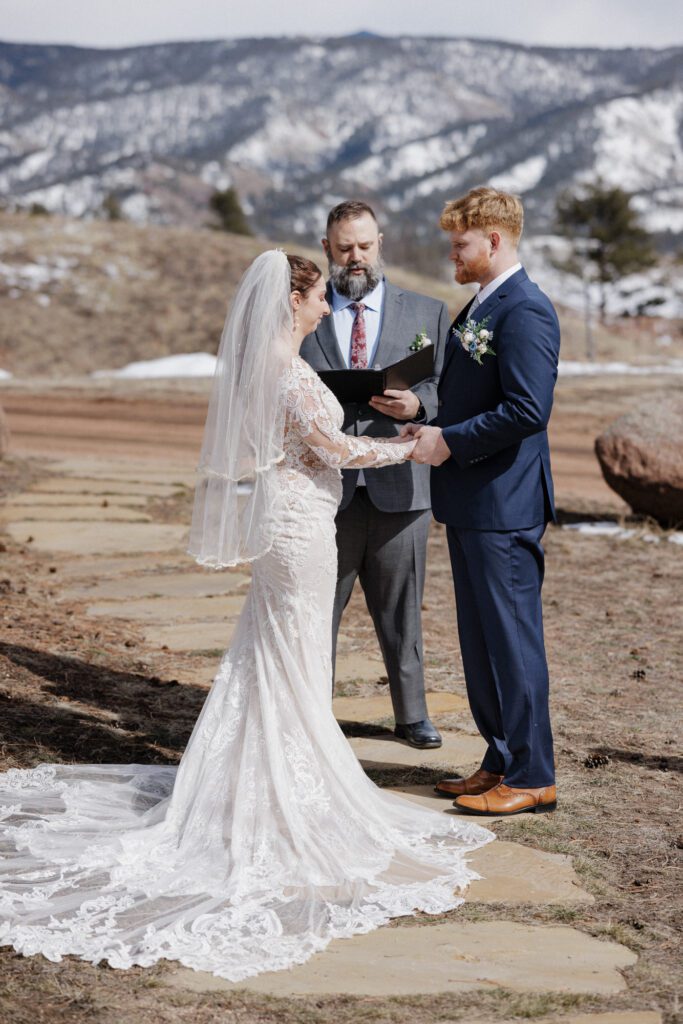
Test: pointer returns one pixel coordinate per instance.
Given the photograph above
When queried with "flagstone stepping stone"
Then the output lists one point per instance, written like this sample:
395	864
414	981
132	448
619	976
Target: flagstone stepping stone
171	609
359	667
46	499
97	538
458	749
426	797
612	1017
512	873
88	485
74	514
214	636
454	956
123	470
186	584
378	708
93	567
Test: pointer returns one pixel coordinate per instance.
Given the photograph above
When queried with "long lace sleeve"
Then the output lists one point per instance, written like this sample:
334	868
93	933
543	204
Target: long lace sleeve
308	414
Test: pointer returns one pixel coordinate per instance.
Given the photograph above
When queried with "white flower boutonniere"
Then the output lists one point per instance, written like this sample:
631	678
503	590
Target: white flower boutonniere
475	338
421	341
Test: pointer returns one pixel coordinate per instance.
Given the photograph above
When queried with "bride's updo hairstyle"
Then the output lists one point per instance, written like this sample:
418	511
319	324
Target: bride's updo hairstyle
304	274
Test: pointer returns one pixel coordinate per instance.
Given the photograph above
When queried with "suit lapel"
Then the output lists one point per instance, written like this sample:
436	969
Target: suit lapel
389	328
490	304
451	341
326	337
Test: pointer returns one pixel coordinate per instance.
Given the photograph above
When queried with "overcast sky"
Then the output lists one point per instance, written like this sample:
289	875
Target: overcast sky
549	22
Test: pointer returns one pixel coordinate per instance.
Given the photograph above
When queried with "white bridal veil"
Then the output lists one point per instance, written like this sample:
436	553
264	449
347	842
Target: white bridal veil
236	496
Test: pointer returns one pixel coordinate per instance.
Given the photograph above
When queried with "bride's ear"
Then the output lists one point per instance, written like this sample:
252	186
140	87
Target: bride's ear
296	299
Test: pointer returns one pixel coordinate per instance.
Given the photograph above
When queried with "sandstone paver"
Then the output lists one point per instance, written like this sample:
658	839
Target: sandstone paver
124	470
73	513
104	486
215	636
512	873
612	1017
379	709
449	957
99	538
89	569
171	609
360	667
43	499
459	749
181	584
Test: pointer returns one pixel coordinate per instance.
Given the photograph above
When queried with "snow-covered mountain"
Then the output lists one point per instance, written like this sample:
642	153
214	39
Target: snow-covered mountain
296	124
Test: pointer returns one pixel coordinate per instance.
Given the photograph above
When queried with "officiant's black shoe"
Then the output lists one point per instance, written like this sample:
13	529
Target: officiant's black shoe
419	734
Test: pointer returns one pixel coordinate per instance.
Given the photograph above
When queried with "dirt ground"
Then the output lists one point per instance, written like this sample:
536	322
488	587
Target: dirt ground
84	689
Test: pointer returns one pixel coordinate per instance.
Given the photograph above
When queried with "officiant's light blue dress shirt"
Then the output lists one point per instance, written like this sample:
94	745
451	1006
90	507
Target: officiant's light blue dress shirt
343	317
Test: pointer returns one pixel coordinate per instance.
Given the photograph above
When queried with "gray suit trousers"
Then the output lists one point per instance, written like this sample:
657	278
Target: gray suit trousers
387	551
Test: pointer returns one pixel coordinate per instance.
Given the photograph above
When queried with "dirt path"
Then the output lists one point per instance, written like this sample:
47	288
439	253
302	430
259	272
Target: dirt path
169	425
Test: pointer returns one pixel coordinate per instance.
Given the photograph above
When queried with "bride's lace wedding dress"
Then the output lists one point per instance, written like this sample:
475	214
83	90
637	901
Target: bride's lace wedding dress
268	840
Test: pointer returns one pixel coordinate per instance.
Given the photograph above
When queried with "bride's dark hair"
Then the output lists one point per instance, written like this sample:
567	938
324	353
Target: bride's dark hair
304	273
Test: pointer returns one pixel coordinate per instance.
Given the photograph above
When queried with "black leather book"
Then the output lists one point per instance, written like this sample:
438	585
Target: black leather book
361	385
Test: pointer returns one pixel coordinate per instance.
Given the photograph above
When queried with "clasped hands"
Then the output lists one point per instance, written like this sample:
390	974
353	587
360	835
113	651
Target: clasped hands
430	447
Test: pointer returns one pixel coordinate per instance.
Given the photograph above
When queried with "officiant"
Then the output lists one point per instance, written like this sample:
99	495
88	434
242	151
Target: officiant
384	515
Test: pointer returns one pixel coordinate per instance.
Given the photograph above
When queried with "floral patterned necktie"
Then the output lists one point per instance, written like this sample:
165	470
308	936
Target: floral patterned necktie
359	348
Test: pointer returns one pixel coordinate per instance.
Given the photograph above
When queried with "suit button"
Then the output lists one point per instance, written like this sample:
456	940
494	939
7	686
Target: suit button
440	402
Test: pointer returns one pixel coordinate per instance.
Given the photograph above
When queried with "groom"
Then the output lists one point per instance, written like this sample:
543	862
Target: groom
491	485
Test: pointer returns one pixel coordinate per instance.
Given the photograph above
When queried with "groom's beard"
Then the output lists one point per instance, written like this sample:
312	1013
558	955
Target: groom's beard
473	270
356	286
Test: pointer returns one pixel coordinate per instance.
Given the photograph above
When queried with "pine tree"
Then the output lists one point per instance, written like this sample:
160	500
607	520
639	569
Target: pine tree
111	207
226	204
605	230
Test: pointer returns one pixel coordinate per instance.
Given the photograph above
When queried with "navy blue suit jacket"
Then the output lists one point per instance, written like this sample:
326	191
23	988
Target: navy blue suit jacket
494	416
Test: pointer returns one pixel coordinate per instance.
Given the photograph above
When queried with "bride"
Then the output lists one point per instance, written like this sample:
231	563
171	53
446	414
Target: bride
268	840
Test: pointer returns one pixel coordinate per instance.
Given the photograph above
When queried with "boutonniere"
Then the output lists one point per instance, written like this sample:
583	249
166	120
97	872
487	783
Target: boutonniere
475	339
421	341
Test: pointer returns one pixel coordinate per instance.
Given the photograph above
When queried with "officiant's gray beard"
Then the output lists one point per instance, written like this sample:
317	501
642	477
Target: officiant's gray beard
352	287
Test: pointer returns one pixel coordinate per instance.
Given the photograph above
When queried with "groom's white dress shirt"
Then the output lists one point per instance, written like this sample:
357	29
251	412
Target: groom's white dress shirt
343	317
490	288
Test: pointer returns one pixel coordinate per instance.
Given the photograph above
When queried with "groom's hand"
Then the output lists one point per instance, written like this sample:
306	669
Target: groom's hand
431	449
401	405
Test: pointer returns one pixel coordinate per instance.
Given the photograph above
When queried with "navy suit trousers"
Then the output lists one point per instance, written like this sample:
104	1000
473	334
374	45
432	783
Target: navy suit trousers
498	578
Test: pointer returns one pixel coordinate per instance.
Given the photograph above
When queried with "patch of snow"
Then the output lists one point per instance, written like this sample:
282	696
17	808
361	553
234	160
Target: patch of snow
639	145
609	529
137	208
575	368
654	292
522	177
34	276
213	174
5	375
189	364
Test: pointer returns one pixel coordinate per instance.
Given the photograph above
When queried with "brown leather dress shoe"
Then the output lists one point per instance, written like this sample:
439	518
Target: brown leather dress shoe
478	783
506	800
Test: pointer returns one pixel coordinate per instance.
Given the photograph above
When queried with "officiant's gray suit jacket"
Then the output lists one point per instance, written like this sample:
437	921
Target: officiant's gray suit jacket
402	488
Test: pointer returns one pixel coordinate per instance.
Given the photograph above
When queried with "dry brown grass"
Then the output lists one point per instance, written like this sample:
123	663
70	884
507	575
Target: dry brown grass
131	292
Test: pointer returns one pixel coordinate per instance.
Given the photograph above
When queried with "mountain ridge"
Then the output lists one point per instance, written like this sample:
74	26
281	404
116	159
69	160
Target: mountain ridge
296	123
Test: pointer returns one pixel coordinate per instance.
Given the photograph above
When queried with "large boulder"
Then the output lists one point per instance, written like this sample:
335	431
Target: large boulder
641	457
4	435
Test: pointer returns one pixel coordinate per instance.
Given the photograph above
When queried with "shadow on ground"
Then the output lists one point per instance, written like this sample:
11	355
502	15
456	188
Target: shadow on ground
102	715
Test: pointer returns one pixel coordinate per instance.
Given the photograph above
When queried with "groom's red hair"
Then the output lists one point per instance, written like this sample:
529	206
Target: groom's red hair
485	208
